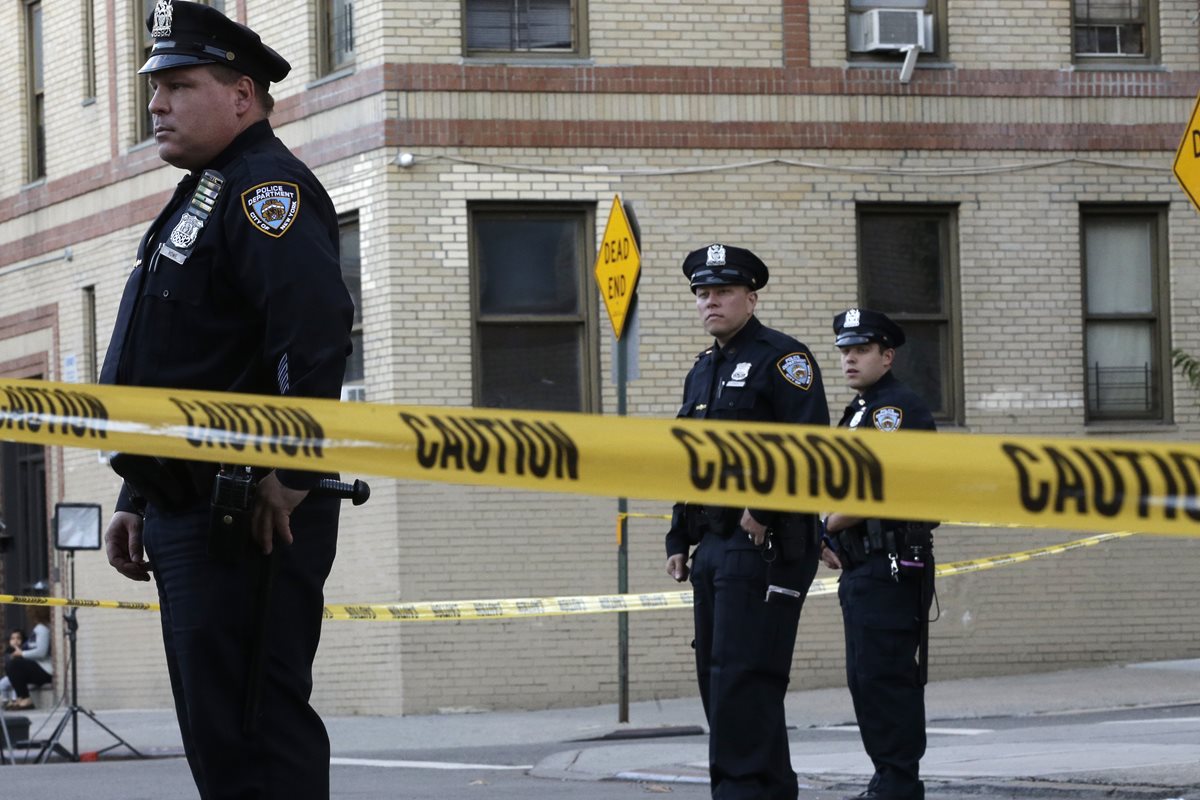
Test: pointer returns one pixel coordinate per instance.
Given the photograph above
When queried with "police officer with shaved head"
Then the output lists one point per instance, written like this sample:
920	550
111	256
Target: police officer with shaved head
236	287
751	568
887	572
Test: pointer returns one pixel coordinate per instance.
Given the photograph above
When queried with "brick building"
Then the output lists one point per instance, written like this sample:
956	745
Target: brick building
1005	189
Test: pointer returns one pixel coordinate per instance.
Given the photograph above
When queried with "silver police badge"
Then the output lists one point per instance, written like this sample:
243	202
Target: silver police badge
853	317
797	369
185	232
163	12
716	255
272	207
887	418
740	371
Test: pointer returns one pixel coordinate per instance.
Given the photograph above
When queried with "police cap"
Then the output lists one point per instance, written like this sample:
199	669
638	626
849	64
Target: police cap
187	34
862	325
724	265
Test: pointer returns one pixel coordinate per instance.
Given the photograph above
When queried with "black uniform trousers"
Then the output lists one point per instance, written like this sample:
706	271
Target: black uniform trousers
209	624
882	624
743	660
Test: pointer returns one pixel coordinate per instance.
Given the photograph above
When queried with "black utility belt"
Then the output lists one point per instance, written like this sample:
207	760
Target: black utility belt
909	546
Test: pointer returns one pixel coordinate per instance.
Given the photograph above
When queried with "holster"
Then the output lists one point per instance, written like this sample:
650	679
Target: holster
232	511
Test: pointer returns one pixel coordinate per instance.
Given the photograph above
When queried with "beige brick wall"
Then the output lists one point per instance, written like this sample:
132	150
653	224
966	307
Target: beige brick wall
1018	289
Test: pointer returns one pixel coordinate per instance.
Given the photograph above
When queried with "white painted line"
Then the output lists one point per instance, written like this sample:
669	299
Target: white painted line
447	765
1189	720
936	731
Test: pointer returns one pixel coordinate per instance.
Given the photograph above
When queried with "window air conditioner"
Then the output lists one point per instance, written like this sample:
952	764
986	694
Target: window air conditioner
892	29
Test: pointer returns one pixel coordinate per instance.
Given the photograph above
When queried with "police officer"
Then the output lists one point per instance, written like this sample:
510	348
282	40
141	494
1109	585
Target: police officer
745	634
236	288
887	579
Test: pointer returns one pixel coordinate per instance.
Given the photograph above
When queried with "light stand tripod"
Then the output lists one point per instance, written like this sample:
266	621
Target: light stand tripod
72	712
77	527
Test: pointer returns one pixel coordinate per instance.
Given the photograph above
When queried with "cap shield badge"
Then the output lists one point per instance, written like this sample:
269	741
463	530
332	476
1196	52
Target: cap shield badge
162	19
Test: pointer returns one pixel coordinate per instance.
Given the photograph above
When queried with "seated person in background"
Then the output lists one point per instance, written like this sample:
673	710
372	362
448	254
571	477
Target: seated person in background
30	665
16	641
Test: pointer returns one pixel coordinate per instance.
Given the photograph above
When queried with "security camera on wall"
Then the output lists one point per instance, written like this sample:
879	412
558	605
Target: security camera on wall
77	526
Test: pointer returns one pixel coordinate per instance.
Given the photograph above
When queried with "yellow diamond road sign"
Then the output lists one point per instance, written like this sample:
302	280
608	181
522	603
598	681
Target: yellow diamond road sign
618	263
1187	158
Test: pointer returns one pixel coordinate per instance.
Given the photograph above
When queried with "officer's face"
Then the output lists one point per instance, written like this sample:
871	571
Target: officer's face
725	309
864	364
195	115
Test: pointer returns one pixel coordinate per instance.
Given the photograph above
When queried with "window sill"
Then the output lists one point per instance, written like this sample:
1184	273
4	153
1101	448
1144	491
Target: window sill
36	183
880	63
529	60
337	75
1112	427
1110	66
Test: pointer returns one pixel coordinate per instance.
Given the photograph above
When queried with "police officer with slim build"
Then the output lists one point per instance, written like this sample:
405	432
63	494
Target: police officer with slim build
236	287
887	572
745	634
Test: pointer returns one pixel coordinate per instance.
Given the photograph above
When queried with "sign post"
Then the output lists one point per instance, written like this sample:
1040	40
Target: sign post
618	264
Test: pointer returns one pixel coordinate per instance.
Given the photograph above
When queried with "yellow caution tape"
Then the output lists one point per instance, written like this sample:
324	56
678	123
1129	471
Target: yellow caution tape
515	608
1077	484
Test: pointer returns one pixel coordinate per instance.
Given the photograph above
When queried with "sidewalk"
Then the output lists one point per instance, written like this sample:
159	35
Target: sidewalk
654	746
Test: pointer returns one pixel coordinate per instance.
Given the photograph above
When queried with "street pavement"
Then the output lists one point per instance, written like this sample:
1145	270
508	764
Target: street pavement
1120	731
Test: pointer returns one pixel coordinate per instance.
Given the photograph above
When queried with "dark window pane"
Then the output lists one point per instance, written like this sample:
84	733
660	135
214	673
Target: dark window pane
531	366
920	363
519	25
902	264
528	264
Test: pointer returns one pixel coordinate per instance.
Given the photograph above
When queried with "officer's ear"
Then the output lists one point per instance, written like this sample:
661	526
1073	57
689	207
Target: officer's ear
752	296
247	94
887	354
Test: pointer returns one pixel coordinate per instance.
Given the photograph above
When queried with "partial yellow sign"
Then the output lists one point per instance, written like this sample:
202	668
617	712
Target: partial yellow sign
1187	158
618	264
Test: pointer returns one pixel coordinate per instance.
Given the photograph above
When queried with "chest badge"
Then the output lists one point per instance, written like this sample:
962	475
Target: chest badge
185	232
887	418
740	371
797	369
857	418
272	207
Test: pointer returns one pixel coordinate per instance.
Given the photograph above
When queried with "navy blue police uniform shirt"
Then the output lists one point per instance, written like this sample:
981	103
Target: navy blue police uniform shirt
258	304
888	405
761	375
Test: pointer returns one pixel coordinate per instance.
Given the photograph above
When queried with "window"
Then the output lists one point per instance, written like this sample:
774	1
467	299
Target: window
35	90
1114	31
523	26
91	373
89	49
335	34
533	307
885	40
907	270
352	384
1125	347
143	119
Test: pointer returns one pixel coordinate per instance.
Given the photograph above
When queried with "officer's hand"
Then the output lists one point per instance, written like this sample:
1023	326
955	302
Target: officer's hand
757	531
123	546
829	557
677	567
272	512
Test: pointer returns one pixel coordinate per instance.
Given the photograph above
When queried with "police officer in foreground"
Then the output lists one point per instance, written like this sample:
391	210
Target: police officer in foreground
751	568
887	572
236	287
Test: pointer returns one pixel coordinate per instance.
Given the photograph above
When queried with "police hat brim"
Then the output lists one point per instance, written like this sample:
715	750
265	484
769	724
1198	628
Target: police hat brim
721	276
850	339
172	61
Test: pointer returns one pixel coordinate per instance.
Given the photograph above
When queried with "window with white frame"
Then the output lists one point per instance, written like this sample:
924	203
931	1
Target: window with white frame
353	387
523	26
1114	31
35	90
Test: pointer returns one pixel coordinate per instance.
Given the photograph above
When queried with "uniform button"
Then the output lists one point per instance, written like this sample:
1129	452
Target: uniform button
166	293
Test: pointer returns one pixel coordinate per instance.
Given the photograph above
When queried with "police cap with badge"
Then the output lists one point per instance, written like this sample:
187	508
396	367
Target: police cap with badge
725	265
862	325
190	34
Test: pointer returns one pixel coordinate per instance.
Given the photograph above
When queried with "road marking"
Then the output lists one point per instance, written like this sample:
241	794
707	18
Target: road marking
447	765
1188	720
938	731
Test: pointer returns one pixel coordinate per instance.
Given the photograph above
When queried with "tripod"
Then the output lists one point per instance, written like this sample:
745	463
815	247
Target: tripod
72	712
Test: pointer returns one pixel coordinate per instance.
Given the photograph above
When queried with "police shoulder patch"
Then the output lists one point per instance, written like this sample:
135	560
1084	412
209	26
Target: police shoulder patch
887	418
272	207
797	369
